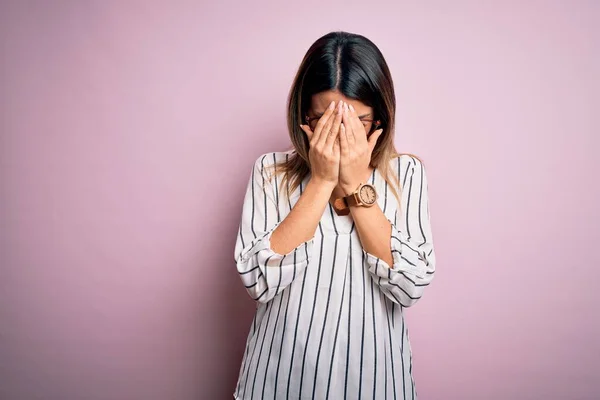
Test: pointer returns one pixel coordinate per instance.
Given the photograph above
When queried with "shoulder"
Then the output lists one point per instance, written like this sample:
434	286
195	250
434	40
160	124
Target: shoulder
270	158
265	165
404	163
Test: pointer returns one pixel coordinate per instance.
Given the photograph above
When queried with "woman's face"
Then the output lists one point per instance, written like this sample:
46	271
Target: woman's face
321	101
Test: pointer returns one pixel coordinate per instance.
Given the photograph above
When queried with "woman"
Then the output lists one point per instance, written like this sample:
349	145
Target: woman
335	238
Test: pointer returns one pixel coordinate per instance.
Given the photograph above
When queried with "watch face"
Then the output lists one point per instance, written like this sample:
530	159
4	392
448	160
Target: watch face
367	194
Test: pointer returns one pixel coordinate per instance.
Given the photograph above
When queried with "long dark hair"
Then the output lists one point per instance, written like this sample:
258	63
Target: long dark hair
352	65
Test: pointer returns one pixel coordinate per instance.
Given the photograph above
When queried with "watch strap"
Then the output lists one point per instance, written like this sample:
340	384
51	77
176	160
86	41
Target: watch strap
351	198
341	207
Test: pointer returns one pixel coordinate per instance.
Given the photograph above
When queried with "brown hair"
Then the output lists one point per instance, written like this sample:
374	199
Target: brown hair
354	66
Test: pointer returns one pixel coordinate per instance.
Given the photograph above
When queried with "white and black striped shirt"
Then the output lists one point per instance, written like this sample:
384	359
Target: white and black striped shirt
329	319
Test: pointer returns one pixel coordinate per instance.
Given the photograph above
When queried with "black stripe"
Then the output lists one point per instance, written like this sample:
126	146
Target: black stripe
337	329
252	181
254	284
247	373
349	320
408	203
385	361
247	349
261	295
285	317
332	218
290	210
405	244
262	172
276	190
413	282
397	299
241	236
401	189
254	243
296	332
377	259
289	295
373	182
271	346
400	287
258	308
312	314
385	196
408	261
405	175
250	270
267	267
327	304
260	352
420	198
412	382
402	357
374	342
362	340
391	347
280	273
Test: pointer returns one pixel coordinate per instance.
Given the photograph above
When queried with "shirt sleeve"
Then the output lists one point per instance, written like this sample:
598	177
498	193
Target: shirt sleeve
412	245
264	272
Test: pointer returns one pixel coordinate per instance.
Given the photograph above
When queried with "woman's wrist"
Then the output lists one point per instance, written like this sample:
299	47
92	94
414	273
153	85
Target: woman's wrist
322	184
349	188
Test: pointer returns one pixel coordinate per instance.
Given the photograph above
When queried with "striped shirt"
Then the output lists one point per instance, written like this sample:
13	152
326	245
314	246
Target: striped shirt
329	320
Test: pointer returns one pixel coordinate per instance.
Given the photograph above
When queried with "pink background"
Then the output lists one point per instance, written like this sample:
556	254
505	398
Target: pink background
128	130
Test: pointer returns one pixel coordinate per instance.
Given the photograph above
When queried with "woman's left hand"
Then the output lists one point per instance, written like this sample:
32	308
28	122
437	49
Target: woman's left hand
355	150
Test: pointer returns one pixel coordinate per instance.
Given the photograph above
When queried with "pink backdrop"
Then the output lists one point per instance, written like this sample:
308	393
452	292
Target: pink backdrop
127	136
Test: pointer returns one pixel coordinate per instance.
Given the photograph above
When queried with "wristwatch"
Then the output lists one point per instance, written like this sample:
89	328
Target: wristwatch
365	196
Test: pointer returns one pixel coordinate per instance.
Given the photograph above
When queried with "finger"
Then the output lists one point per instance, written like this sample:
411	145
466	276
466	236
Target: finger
348	126
326	130
344	147
373	139
358	128
335	127
307	131
336	149
323	121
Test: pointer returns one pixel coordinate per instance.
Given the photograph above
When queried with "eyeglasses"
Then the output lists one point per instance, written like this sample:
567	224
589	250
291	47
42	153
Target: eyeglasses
366	121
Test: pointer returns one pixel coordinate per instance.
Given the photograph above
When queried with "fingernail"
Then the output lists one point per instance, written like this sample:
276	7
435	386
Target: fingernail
332	105
351	108
346	107
340	108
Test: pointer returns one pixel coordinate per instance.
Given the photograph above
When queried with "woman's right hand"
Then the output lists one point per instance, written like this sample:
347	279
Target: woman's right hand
324	152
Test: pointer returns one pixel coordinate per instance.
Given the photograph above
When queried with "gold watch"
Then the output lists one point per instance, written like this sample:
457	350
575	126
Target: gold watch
365	196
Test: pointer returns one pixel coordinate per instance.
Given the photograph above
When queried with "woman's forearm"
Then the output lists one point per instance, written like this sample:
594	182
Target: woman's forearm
301	223
373	230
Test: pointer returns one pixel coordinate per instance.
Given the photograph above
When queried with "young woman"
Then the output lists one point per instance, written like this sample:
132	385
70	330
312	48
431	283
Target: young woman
335	238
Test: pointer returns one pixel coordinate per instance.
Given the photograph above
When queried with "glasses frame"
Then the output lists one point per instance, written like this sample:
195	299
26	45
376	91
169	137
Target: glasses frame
375	123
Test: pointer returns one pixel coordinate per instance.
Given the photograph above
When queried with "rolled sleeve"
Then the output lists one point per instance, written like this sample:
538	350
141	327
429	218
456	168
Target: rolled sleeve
264	272
412	249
